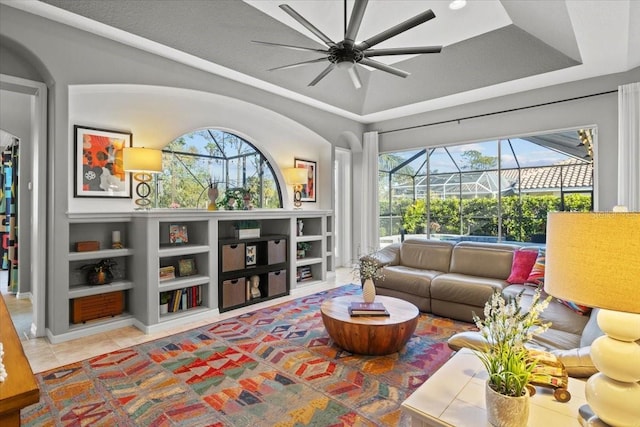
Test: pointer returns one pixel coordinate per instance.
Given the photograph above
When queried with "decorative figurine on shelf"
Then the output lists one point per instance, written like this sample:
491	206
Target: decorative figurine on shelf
300	224
246	198
212	193
255	286
100	273
116	242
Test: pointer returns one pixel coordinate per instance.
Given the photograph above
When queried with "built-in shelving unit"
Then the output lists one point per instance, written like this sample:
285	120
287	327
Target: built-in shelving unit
252	270
197	275
98	229
312	230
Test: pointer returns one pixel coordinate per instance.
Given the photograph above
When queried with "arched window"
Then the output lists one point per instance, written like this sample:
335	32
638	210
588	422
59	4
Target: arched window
210	157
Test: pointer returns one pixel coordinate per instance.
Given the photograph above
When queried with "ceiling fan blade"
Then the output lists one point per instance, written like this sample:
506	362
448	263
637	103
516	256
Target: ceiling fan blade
288	46
355	78
322	74
297	64
395	30
402	51
308	25
383	67
354	22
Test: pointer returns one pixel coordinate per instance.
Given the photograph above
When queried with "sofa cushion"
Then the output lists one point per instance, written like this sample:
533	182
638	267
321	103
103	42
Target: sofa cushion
426	254
482	259
408	280
562	318
554	339
521	266
464	289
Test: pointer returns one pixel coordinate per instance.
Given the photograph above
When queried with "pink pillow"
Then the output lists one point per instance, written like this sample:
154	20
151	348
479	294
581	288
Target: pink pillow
523	262
537	272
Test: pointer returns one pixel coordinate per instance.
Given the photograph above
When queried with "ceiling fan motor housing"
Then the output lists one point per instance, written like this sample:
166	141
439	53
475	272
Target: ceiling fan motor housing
341	53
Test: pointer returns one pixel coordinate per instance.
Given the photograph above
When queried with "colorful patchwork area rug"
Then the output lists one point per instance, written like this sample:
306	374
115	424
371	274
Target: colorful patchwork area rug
272	367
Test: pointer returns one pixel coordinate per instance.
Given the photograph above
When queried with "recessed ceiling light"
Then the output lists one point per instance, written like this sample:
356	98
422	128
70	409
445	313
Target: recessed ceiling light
457	4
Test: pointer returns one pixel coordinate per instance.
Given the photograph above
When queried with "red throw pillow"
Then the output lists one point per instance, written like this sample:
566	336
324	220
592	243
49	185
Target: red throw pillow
537	272
523	262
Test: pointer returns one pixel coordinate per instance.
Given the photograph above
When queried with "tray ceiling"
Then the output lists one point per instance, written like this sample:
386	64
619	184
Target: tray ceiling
491	47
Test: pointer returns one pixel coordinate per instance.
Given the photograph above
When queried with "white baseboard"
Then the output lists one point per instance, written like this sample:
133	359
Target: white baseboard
24	295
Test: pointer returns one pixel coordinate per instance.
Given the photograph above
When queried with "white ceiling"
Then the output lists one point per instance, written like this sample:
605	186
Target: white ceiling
491	47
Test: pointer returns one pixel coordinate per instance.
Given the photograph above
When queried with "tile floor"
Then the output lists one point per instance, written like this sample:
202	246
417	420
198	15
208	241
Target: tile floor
43	355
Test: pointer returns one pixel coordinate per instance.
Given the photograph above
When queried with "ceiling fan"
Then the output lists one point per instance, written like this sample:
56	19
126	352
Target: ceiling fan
347	53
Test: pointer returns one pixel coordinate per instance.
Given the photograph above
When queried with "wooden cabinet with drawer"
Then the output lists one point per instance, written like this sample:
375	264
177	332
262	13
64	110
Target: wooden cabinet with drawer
97	306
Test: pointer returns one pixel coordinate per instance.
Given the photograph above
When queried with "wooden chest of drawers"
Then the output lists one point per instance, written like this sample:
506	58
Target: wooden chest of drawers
97	306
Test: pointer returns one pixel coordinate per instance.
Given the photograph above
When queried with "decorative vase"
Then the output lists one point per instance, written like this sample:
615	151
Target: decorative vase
164	308
212	193
368	291
506	411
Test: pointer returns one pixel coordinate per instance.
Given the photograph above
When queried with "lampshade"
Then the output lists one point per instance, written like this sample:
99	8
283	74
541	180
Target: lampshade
593	258
138	159
295	176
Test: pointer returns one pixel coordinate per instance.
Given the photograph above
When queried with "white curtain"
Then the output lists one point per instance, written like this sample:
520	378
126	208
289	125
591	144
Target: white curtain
369	240
629	146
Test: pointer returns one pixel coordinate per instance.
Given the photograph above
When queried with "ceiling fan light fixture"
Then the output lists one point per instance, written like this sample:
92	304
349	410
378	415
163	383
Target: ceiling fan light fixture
346	65
346	54
457	4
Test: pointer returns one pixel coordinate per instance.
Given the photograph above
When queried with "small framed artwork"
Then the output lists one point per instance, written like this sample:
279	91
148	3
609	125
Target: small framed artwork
99	169
250	258
309	188
178	234
187	267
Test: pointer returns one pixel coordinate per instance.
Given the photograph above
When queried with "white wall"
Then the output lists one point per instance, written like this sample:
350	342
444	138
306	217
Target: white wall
157	115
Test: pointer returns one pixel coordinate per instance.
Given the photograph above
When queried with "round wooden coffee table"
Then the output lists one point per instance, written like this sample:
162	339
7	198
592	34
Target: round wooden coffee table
371	335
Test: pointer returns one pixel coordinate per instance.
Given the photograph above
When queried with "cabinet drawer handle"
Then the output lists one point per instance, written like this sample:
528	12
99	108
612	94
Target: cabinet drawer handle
276	242
233	246
277	273
233	282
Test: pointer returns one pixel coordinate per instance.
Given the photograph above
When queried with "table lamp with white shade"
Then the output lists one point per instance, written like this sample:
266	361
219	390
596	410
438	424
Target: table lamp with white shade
296	177
143	162
593	259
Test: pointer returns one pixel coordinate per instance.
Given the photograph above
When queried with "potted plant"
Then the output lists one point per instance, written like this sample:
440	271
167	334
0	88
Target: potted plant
100	273
164	302
235	199
247	229
368	270
301	249
507	327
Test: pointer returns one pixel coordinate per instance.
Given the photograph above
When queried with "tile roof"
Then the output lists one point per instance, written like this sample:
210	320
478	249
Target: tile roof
572	173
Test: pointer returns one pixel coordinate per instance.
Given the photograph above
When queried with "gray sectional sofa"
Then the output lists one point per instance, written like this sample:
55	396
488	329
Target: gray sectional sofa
455	280
444	278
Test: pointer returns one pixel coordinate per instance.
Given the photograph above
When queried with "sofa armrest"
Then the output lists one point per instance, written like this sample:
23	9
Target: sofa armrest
468	339
389	255
577	361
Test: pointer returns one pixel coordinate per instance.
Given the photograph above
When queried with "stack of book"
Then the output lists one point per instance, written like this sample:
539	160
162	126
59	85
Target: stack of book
304	273
167	273
367	309
184	299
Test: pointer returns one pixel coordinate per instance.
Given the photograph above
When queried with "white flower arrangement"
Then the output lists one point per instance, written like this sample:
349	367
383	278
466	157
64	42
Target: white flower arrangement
368	268
507	328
